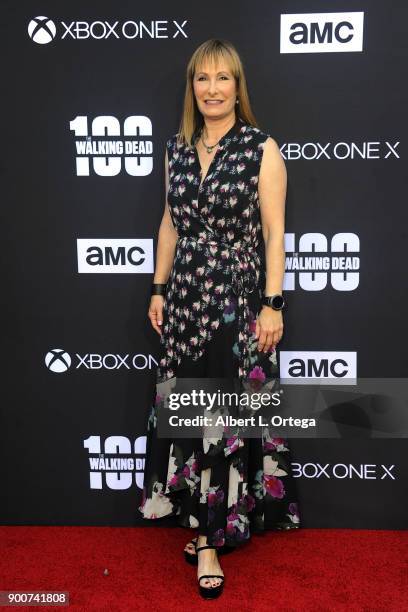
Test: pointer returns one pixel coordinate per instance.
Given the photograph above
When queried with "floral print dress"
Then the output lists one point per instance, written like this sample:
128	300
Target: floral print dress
230	486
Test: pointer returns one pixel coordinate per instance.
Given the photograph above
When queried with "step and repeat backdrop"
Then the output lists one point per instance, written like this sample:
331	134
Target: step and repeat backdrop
90	95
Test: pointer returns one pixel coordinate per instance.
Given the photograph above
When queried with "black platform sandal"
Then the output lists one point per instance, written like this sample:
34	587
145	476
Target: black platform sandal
190	557
210	592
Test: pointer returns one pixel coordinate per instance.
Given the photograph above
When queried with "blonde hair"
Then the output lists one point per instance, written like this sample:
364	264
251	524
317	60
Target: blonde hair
212	50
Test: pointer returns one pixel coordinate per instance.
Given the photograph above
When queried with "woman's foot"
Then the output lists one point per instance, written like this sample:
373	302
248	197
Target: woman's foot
190	548
208	564
190	553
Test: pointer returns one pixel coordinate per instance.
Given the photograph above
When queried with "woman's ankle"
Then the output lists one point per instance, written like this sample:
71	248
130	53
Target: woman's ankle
202	540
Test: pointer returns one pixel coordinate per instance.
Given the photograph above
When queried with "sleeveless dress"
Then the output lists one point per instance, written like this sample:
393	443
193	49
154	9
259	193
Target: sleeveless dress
231	486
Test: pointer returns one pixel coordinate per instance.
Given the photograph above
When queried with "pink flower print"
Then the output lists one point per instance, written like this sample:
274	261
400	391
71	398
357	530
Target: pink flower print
181	189
194	340
219	289
186	471
232	157
225	187
208	283
241	185
253	180
211	219
232	444
211	499
212	262
230	235
200	271
214	324
206	297
213	249
248	153
204	319
246	212
173	481
274	486
233	200
230	529
189	176
221	222
196	306
240	167
257	373
252	326
215	184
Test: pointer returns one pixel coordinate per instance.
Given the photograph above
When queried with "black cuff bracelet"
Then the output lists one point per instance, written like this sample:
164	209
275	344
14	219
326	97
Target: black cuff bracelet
158	288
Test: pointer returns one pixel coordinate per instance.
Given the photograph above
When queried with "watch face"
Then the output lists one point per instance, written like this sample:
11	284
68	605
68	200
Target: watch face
278	301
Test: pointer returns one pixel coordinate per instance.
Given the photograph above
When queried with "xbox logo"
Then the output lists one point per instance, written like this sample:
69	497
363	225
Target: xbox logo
41	30
57	360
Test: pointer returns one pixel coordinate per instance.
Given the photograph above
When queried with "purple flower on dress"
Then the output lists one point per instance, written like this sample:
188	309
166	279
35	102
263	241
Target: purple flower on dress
274	486
257	373
273	443
173	481
219	538
294	509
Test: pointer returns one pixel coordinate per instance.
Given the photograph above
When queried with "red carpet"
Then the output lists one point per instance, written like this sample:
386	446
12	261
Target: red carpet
306	570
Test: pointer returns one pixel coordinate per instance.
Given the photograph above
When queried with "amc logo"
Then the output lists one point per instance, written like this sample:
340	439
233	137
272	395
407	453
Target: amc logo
322	32
335	365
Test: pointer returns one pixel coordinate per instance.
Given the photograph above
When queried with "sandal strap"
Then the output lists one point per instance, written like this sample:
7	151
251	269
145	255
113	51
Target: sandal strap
210	576
203	547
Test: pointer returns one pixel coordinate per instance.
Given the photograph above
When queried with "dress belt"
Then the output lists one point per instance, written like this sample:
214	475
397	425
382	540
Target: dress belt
245	269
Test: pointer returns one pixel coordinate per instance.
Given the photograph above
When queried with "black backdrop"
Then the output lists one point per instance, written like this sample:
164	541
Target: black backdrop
79	355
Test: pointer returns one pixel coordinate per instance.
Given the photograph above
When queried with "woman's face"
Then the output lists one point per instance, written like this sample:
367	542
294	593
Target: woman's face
215	90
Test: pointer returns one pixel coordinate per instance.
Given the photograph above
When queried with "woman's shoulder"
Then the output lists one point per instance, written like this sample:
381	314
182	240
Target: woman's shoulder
258	134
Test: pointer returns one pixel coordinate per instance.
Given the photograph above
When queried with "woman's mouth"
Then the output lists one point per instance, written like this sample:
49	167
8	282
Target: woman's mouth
214	101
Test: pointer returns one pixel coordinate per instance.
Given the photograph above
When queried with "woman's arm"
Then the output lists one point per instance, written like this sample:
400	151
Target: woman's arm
167	238
272	195
166	246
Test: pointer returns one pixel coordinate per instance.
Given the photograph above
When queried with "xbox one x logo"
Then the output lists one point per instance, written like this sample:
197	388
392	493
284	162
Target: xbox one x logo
42	30
58	360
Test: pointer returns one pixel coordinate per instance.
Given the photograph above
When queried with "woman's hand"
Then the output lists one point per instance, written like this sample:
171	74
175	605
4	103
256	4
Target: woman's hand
269	328
155	312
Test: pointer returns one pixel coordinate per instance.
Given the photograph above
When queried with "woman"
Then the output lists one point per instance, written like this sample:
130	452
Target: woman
214	309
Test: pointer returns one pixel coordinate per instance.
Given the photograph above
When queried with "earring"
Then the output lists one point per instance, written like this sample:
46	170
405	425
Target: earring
237	101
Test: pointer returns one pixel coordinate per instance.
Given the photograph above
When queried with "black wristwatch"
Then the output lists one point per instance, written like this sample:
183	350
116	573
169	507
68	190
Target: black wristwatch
276	301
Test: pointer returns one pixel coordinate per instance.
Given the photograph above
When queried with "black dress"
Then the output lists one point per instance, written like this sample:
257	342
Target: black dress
231	486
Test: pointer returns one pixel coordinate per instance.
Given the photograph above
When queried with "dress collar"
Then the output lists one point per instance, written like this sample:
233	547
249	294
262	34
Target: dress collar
231	132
